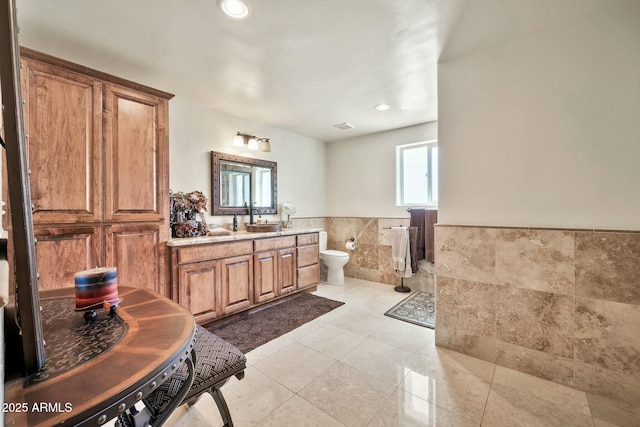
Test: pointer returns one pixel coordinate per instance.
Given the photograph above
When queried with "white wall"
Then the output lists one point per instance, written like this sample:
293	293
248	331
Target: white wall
362	172
195	131
544	129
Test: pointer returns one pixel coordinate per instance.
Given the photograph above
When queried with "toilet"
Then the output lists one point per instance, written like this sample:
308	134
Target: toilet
332	262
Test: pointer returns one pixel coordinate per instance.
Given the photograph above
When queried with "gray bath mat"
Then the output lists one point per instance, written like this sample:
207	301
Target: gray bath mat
417	308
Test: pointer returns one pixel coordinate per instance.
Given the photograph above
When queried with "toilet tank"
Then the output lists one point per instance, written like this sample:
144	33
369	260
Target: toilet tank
323	240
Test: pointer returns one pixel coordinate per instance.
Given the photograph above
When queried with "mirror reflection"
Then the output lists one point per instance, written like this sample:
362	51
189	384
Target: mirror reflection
238	182
235	187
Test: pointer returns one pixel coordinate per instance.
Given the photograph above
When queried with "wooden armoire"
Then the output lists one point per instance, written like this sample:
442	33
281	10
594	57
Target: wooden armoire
99	172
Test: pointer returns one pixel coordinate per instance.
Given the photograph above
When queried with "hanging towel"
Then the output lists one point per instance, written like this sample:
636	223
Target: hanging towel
418	220
400	251
413	240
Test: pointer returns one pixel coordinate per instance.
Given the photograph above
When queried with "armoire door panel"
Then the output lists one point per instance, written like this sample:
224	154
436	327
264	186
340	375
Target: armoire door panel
60	253
136	253
135	155
64	134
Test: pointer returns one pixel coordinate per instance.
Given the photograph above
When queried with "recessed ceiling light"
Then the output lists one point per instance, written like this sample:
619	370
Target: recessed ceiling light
234	8
383	107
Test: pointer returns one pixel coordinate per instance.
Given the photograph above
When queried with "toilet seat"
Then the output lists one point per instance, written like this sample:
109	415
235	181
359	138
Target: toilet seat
331	253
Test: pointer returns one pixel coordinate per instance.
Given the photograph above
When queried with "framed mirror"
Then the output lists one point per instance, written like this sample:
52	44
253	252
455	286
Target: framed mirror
238	181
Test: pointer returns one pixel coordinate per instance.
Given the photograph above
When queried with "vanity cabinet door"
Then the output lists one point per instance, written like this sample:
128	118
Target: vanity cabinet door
199	285
286	270
236	283
265	276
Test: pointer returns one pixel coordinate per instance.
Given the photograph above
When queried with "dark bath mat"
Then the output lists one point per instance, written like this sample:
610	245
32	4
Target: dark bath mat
261	327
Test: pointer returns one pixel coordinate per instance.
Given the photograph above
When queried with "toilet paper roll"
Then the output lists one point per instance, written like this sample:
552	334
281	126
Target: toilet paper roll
351	246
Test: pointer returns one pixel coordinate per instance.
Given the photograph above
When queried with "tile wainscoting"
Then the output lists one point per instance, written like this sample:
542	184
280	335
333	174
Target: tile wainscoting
372	258
563	305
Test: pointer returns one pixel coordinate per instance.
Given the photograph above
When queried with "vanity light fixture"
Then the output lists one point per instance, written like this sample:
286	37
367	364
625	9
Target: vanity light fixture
251	142
382	107
234	8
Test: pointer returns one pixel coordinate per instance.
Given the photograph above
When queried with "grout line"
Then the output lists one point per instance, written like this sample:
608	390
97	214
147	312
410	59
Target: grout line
486	403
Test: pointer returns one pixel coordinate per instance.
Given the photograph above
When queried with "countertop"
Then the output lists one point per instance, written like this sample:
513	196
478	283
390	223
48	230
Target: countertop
238	235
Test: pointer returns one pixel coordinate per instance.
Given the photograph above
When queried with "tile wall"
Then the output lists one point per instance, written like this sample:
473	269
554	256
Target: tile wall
372	258
563	305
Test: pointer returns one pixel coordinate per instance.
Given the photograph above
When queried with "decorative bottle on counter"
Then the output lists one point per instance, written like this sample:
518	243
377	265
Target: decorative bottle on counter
235	222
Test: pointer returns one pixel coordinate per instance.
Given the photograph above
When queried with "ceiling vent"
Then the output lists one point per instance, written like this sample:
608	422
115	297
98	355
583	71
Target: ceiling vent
344	126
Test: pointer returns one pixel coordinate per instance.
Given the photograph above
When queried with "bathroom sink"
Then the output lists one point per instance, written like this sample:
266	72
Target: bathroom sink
263	228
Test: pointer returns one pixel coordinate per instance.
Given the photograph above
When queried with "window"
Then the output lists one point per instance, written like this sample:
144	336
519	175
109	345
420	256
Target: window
417	174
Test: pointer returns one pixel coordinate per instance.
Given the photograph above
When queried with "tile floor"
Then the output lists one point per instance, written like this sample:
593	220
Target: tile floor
356	367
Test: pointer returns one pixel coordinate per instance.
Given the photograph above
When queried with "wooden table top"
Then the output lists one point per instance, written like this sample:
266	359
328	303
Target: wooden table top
159	337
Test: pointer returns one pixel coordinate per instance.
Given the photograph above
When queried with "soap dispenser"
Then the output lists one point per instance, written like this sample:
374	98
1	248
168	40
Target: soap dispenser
235	222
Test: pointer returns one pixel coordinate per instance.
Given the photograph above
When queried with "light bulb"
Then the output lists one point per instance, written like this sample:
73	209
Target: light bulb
253	143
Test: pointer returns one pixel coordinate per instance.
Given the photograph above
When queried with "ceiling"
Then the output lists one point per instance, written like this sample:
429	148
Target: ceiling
299	65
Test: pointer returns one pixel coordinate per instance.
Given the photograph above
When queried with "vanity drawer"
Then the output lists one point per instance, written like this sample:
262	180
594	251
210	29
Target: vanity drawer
308	255
214	251
308	239
308	276
262	245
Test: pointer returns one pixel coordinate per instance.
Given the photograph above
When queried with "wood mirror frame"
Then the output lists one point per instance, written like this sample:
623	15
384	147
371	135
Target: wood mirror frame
27	298
217	208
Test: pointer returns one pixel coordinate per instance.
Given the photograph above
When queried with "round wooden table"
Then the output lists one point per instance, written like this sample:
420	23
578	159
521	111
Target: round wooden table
156	335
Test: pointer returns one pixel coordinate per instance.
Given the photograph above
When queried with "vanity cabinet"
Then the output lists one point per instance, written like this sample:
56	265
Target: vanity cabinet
220	278
98	156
